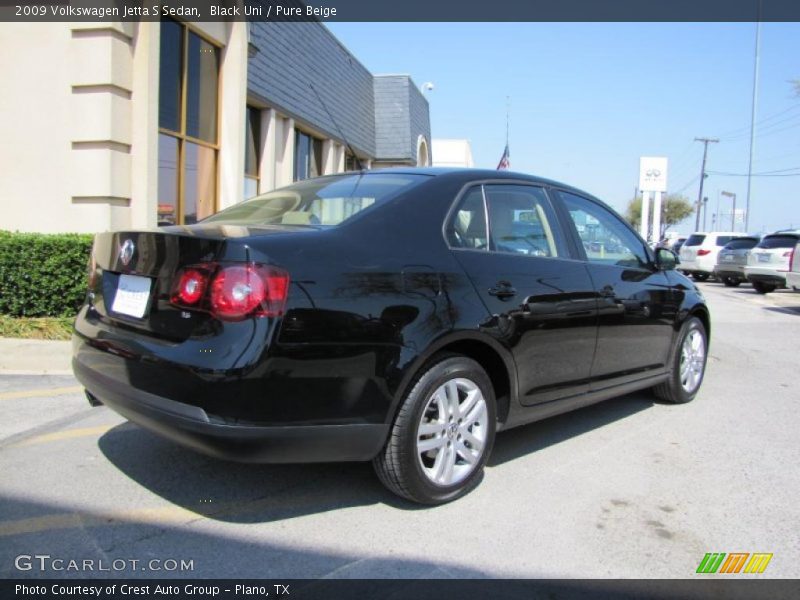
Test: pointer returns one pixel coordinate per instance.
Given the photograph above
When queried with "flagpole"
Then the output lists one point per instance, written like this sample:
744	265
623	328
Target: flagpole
504	163
508	112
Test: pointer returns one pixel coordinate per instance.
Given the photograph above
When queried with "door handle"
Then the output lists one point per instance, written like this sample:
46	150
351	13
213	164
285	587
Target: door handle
607	292
503	290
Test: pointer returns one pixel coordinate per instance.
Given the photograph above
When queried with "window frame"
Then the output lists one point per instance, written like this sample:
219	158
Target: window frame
557	214
577	241
181	136
312	158
254	176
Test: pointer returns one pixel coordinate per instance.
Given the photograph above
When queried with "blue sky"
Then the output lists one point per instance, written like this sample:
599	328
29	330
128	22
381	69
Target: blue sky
587	99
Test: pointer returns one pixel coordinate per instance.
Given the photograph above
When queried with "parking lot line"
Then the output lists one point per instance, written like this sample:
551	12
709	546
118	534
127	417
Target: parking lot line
167	515
59	391
63	435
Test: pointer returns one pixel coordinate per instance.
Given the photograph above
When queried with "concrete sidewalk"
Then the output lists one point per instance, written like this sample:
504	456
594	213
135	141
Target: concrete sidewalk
35	357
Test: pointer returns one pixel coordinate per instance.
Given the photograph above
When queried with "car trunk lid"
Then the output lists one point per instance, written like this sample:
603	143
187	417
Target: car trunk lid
135	274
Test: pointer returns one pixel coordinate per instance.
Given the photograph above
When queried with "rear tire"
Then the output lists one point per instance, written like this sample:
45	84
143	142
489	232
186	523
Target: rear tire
700	276
731	282
763	288
688	361
442	435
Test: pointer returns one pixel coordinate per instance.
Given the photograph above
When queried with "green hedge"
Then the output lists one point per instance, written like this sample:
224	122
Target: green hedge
43	275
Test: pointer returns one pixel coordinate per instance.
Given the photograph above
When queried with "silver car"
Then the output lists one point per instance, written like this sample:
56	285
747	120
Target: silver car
768	262
699	252
732	259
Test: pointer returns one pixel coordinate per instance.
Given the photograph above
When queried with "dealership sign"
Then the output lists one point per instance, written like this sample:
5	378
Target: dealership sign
653	173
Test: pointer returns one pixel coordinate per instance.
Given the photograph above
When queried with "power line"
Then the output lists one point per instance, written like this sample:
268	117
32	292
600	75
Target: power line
685	187
745	130
768	130
754	174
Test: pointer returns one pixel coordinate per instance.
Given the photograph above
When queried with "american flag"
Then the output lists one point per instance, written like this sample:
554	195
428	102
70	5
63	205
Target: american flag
504	163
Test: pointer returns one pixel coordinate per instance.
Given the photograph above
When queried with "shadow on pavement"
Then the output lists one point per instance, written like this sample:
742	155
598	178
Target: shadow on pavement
241	493
95	537
246	493
786	310
528	439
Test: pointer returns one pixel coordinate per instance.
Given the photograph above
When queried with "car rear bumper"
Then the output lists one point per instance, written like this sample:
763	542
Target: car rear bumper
698	265
765	275
793	280
193	427
730	270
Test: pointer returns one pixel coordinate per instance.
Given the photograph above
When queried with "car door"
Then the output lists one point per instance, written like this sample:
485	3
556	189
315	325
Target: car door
540	299
637	304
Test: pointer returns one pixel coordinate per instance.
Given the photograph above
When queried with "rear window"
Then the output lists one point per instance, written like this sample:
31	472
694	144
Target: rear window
778	241
723	239
695	240
325	202
741	244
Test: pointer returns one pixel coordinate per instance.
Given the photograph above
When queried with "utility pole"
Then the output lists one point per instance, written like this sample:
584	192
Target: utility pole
705	141
754	106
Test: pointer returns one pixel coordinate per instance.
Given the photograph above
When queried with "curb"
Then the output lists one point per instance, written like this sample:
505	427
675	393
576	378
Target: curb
35	357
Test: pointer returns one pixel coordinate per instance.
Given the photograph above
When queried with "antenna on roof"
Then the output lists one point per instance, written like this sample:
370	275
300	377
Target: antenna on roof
335	124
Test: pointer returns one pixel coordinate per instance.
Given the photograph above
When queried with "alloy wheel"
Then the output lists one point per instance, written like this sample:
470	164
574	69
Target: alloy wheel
693	360
451	436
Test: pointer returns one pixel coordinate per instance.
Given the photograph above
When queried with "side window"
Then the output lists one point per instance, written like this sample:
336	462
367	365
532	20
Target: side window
606	239
521	221
467	227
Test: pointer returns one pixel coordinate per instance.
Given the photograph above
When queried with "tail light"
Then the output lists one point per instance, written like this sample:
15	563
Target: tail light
788	254
234	291
190	286
91	272
791	260
703	252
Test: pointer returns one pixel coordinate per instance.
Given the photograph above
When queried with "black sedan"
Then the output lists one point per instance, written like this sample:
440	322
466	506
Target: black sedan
398	316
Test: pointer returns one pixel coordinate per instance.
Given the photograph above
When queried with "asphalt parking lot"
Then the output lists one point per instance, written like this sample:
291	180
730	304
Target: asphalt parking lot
627	488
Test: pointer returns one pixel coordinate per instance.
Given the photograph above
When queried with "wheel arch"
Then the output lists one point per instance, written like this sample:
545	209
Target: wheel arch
701	312
487	352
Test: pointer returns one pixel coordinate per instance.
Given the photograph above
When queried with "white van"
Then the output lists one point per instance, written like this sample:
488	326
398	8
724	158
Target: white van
699	252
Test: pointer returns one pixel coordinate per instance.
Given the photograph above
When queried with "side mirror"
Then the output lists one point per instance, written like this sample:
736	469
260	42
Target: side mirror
666	260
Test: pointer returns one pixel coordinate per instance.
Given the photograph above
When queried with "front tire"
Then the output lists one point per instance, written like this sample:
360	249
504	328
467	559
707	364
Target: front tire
442	435
689	359
763	288
731	282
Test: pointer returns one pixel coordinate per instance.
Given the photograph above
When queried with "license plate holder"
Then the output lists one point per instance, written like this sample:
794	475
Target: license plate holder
133	294
764	257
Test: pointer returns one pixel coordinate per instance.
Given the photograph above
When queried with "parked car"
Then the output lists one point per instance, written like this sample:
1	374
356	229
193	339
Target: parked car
732	259
768	262
699	252
677	245
384	316
793	274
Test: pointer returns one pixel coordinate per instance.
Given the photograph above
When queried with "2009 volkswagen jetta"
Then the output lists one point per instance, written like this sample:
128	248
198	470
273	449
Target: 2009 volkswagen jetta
398	316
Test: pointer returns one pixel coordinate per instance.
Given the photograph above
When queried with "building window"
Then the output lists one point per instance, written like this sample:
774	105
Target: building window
252	151
422	152
307	156
187	125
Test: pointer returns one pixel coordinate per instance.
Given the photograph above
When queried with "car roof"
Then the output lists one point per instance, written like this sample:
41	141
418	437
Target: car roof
717	233
471	173
790	233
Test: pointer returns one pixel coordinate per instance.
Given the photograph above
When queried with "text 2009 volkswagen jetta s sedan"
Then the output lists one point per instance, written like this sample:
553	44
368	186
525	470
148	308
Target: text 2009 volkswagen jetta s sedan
398	316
